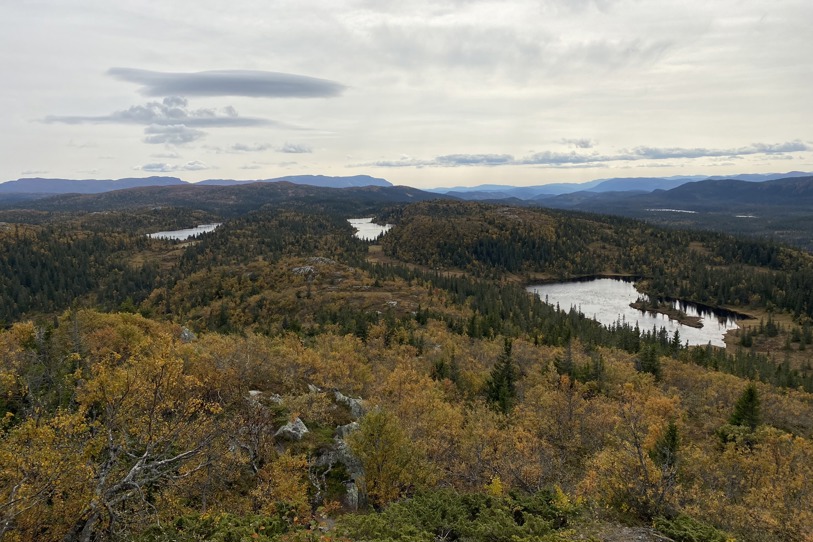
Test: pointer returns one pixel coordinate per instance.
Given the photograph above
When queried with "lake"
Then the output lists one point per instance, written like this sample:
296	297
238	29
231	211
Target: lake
607	301
182	235
366	230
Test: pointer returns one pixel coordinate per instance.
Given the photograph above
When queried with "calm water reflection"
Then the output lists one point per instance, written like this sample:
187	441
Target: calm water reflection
182	235
366	230
608	300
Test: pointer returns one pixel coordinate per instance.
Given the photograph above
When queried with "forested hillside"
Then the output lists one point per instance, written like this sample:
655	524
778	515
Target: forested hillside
279	379
777	209
709	268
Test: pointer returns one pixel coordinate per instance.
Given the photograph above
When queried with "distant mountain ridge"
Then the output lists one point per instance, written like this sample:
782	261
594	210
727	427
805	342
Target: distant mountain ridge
228	200
779	209
324	181
38	187
492	192
706	195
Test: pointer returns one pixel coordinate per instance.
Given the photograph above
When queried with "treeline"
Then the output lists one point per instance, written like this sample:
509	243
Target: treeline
45	269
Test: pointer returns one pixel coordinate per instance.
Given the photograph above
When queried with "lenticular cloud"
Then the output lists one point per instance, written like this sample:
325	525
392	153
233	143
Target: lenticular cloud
257	84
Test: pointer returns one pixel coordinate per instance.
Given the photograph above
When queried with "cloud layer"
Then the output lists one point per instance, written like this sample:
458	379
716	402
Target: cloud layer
171	111
576	159
170	121
520	91
255	84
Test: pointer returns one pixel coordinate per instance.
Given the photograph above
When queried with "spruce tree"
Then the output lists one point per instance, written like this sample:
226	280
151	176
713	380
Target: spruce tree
500	388
746	409
649	361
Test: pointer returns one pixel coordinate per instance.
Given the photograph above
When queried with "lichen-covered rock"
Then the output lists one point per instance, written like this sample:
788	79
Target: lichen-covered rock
187	336
344	430
351	496
255	397
356	406
313	389
294	430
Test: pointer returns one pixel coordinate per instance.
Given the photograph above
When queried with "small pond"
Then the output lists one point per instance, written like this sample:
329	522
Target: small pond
366	230
182	235
608	301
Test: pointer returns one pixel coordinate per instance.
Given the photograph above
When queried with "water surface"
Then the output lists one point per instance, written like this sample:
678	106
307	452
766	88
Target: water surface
607	301
366	230
182	235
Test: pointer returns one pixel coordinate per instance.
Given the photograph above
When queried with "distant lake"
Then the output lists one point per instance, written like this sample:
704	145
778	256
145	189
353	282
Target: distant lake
182	235
672	211
607	301
366	230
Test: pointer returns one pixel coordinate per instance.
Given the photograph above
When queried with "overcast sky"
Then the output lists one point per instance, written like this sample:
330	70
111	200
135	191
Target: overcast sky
435	93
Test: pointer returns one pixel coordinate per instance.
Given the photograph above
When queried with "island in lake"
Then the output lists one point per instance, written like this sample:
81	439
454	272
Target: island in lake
668	309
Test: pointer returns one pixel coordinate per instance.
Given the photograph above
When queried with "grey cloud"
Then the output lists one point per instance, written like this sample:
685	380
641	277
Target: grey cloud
170	121
575	159
503	52
229	83
172	110
549	158
580	143
239	148
176	134
34	172
243	147
474	159
295	148
160	167
755	148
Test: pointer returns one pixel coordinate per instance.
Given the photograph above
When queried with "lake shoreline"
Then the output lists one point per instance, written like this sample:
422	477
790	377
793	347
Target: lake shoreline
543	279
616	299
671	312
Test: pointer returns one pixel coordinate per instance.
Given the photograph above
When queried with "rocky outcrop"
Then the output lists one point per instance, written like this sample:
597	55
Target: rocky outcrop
340	454
356	406
187	336
294	430
344	430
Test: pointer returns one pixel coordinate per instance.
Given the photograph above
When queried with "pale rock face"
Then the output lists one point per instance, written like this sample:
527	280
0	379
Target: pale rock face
294	430
351	497
344	430
356	405
187	336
